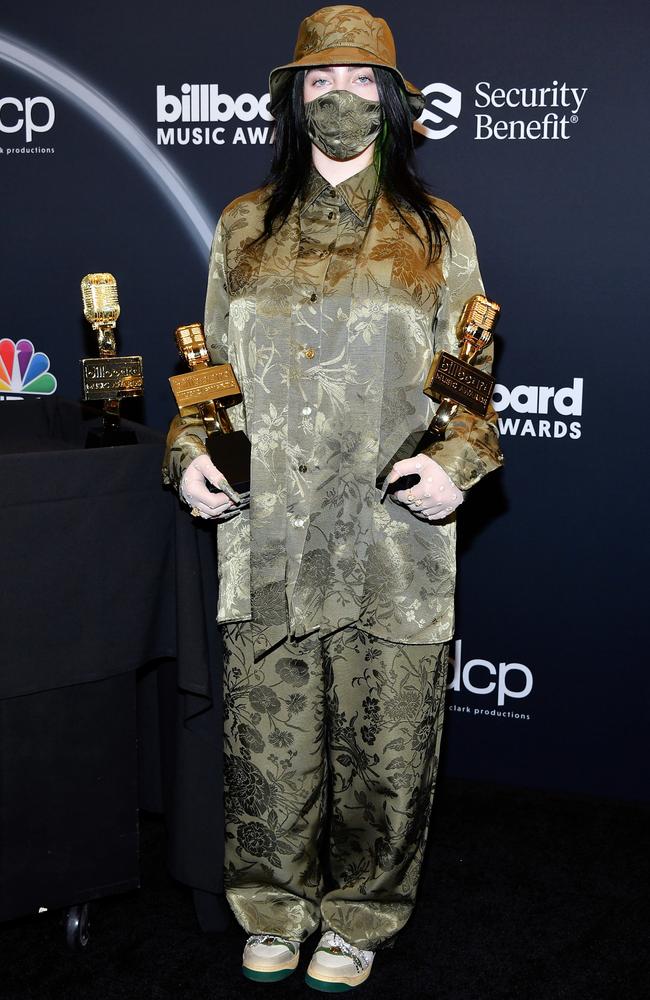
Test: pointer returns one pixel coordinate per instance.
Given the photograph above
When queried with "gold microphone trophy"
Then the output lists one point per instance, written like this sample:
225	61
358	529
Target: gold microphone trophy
455	381
210	389
107	377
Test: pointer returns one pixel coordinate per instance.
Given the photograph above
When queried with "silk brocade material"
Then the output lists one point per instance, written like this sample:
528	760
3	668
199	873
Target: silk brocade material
331	752
331	326
343	124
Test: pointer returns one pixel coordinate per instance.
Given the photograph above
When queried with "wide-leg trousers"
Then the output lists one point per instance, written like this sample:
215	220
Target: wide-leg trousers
330	758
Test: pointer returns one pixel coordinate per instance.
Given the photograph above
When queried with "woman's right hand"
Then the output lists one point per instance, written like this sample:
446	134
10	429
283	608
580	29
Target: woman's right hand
194	491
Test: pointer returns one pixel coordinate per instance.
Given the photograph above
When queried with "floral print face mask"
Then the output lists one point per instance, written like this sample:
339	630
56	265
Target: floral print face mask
342	124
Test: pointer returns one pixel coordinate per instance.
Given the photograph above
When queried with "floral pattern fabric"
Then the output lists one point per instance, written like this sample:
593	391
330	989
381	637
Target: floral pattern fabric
331	326
331	752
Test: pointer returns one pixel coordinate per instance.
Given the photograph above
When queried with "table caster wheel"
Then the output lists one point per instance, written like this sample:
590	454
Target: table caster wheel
77	927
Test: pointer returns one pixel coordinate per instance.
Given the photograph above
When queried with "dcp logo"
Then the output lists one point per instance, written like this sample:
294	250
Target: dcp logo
33	114
447	100
481	677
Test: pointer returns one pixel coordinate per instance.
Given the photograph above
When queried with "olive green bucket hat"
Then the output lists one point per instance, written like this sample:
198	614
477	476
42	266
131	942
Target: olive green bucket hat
343	36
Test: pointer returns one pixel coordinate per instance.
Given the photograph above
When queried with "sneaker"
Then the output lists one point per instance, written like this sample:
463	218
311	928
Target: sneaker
268	957
337	965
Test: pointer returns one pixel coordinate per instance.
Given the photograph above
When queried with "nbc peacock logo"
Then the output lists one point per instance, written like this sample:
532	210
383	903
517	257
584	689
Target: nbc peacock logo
24	371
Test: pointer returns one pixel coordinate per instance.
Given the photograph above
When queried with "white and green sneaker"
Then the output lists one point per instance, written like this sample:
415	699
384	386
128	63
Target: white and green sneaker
268	957
337	965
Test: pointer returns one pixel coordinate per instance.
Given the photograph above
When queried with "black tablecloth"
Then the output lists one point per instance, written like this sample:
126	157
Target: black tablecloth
104	573
87	544
191	718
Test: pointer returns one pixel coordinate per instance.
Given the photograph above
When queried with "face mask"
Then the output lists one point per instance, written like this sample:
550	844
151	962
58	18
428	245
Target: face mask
342	124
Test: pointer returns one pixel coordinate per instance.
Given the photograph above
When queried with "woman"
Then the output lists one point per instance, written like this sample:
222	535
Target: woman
330	289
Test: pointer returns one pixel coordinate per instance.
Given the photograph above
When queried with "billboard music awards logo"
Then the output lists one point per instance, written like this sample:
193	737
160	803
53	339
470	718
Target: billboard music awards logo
540	410
24	371
25	120
202	115
503	686
504	113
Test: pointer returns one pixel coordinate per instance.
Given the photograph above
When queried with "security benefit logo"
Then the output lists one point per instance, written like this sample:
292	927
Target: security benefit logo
200	114
483	688
24	371
23	122
540	411
504	112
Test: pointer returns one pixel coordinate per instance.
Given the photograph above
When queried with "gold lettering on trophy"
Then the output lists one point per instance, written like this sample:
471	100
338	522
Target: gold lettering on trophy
204	384
112	378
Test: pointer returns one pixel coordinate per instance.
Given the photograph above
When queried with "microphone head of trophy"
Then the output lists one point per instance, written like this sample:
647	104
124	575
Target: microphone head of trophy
101	305
476	325
191	345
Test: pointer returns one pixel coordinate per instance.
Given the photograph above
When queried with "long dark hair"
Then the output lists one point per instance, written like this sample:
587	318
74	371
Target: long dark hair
394	158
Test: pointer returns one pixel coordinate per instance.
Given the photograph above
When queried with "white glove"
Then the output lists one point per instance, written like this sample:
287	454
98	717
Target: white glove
195	493
434	497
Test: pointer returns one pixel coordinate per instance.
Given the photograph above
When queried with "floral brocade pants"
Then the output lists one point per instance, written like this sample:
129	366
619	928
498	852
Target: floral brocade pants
330	756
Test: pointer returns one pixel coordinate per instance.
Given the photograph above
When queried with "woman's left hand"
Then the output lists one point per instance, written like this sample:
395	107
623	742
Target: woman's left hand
434	497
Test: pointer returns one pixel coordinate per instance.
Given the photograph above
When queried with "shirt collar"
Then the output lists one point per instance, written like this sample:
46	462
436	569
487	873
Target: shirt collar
358	192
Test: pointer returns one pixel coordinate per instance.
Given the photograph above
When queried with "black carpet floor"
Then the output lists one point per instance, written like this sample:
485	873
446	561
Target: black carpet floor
525	896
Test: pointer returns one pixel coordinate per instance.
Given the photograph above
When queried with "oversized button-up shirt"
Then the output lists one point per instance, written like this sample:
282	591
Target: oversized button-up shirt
330	326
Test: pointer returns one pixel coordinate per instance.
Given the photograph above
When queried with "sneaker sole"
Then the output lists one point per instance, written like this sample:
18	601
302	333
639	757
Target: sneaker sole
266	977
333	985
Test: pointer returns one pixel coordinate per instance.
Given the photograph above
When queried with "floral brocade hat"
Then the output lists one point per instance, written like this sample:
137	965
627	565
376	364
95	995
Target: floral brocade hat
343	36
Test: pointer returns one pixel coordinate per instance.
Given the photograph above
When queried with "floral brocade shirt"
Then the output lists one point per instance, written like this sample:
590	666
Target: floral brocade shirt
331	325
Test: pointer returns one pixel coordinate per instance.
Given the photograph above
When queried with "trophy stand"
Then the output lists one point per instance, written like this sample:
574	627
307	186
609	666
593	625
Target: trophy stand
210	389
107	378
454	381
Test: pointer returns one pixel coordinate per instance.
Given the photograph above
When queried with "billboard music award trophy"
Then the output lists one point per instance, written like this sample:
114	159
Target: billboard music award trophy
210	389
455	381
107	378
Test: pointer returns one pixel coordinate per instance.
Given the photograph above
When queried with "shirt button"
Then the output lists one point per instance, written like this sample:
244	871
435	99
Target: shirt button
309	352
313	296
298	522
302	468
331	192
306	410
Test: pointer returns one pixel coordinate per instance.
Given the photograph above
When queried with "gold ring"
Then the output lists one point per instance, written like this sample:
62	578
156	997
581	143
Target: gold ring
195	512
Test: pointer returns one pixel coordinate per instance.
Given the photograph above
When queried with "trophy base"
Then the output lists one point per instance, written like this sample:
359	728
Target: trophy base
231	453
110	437
414	444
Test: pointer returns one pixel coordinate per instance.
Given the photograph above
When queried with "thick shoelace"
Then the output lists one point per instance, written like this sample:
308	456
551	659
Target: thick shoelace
271	939
339	945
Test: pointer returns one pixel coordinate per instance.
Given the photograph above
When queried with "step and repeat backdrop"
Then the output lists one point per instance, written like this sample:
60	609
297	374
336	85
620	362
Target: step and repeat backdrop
123	133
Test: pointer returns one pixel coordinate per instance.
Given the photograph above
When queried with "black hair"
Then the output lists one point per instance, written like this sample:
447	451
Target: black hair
394	158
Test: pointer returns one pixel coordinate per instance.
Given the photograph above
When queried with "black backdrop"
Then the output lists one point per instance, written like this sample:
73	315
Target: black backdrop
551	685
